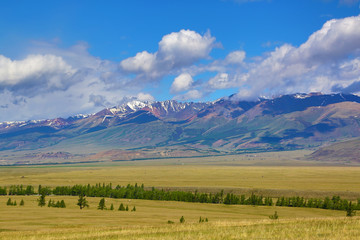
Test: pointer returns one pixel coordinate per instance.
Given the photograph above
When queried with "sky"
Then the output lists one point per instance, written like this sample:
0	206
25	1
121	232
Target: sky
62	58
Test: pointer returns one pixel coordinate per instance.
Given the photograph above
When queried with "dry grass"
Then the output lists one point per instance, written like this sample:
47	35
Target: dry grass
150	221
270	181
334	228
210	174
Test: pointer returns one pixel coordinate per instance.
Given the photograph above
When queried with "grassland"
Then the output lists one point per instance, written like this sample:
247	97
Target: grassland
270	174
238	174
150	221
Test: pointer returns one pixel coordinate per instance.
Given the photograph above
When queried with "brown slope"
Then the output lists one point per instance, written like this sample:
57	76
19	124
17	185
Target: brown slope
348	151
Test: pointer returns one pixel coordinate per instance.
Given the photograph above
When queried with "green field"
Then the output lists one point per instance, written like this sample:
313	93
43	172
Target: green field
270	174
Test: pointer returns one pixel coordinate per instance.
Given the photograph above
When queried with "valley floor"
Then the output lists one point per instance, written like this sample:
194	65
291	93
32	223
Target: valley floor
275	174
150	221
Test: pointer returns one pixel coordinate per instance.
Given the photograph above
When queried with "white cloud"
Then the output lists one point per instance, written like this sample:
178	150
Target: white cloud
220	81
41	71
236	57
325	60
181	83
145	97
142	62
176	50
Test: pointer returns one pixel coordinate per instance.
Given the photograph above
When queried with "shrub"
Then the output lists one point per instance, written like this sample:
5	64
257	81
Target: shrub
275	216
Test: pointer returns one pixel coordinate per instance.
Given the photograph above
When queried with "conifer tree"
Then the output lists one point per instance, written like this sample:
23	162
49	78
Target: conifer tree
22	203
14	203
102	204
62	204
112	207
127	208
82	202
134	209
41	200
121	207
182	219
9	202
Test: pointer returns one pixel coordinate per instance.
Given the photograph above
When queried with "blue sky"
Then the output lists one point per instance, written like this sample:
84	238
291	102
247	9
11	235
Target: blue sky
60	58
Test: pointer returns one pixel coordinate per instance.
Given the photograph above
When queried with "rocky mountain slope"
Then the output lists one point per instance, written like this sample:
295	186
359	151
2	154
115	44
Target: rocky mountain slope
225	126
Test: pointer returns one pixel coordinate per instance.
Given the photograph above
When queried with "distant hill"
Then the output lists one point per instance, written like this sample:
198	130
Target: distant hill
170	128
348	151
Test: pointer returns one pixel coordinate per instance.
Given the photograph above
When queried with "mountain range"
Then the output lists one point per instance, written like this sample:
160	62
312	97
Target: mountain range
138	130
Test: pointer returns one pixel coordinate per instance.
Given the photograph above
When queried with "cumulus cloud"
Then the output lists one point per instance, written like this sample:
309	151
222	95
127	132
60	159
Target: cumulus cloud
39	85
327	59
44	72
176	50
49	78
182	83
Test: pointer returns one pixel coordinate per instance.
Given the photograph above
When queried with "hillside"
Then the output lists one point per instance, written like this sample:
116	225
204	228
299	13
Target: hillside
348	151
173	129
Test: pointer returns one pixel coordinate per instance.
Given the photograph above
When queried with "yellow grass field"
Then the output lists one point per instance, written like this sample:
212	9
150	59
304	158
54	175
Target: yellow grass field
190	174
238	174
150	221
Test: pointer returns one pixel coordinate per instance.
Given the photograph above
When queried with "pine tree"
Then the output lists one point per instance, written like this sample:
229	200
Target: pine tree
127	208
62	204
121	207
102	204
134	209
9	202
182	219
14	203
22	203
82	202
41	200
112	207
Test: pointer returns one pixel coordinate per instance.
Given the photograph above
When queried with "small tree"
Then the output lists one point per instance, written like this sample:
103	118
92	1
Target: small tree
50	204
62	204
121	207
41	200
82	202
22	203
127	208
350	210
102	204
134	209
182	219
275	216
9	202
14	203
112	207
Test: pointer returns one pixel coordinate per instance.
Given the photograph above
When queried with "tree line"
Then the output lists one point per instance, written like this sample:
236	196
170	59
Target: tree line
139	192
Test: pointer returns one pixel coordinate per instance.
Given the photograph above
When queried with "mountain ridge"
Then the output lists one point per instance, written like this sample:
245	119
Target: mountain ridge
228	125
